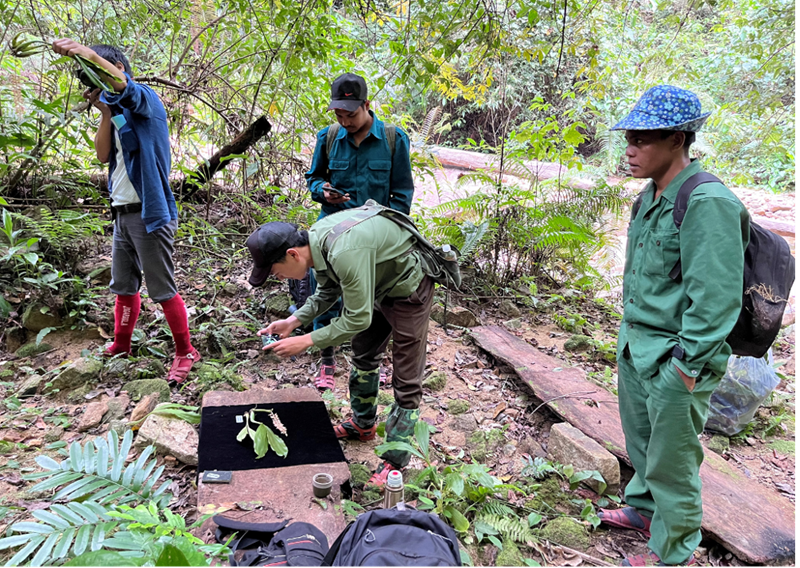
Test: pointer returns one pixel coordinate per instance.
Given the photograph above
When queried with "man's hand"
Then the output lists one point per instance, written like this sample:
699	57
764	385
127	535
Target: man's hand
71	48
66	46
290	346
687	380
283	328
93	96
332	197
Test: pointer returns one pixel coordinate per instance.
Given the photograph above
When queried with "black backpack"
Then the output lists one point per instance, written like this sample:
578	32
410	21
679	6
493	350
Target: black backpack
768	278
272	544
394	537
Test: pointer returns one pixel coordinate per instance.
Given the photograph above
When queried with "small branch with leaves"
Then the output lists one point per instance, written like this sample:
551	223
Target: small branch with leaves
264	438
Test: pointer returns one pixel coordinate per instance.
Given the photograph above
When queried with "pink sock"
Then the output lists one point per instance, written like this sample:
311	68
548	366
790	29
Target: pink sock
178	321
126	312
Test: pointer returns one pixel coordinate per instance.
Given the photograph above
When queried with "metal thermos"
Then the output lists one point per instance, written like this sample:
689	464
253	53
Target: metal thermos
393	491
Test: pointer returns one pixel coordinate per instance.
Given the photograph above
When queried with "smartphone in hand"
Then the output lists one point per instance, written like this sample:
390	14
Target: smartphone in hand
336	191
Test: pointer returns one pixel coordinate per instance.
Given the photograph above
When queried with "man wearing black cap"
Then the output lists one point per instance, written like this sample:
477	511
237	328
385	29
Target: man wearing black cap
356	159
372	263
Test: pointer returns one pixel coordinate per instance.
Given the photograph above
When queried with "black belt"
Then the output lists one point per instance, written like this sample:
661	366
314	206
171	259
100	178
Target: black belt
123	209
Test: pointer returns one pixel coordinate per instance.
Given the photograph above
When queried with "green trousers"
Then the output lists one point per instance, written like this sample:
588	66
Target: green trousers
661	420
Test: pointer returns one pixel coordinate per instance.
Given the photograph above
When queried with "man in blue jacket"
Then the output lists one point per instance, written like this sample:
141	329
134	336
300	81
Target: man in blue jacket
364	159
133	139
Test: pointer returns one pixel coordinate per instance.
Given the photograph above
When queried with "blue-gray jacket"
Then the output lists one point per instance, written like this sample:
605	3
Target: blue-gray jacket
368	171
145	147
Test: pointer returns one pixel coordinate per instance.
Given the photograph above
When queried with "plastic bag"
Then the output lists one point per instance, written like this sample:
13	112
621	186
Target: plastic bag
746	384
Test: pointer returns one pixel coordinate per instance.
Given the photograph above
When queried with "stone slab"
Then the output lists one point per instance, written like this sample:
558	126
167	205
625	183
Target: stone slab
756	524
569	445
285	492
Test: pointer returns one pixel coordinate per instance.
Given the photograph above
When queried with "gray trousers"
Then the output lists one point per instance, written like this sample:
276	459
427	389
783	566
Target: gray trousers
134	250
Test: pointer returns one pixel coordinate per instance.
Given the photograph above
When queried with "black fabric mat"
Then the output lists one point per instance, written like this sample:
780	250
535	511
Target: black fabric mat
310	437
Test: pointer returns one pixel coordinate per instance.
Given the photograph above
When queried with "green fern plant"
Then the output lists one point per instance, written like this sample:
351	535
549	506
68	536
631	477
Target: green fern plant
510	526
94	480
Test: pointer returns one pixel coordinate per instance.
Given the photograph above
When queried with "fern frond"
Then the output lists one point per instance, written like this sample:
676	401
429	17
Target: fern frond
431	119
509	526
87	473
496	508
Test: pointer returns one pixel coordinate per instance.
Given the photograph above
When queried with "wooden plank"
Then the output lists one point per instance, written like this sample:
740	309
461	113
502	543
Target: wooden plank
756	524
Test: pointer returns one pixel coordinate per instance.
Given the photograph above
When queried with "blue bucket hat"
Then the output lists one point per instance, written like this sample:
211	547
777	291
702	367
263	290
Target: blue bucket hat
665	108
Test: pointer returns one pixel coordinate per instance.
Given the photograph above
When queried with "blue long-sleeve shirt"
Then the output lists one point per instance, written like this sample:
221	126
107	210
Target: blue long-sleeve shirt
145	148
367	171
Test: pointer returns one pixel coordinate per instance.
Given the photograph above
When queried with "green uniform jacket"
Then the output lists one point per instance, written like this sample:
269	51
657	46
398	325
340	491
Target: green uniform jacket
369	262
699	311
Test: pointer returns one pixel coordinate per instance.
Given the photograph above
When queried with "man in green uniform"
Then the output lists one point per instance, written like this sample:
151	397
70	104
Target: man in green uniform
671	349
372	264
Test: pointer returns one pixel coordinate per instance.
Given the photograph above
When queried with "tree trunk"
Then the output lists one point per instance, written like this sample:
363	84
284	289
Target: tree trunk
241	143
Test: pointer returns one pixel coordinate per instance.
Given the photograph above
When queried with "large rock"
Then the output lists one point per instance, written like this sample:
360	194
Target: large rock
568	445
31	349
278	305
34	319
510	309
79	372
141	387
92	415
145	407
170	436
117	407
456	315
578	343
30	386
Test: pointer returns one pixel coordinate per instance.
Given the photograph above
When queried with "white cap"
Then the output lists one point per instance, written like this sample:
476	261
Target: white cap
394	480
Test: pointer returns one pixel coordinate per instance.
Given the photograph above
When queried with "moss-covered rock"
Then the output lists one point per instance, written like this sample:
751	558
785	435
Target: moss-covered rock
370	495
31	349
458	406
385	398
436	381
212	377
139	388
567	532
719	444
550	497
78	394
81	371
578	344
359	475
117	367
481	444
278	305
510	309
38	316
510	555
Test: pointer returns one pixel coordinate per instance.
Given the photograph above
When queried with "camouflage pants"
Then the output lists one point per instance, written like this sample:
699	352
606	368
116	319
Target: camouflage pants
364	403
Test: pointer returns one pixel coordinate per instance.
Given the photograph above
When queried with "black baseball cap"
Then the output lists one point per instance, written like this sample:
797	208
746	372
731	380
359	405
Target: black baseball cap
348	92
268	245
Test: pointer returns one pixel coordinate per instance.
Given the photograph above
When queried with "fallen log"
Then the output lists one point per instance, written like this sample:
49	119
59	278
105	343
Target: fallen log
757	525
249	136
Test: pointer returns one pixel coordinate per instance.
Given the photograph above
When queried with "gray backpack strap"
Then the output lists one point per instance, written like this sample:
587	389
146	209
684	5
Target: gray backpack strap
330	137
360	214
391	136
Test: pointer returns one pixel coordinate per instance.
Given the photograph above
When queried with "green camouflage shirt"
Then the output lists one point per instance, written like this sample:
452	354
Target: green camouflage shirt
367	263
699	311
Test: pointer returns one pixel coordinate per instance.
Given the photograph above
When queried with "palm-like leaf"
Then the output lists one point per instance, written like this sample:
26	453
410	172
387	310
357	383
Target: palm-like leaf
86	473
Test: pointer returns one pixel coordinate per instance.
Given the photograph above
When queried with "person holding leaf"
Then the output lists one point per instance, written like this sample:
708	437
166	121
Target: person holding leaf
133	138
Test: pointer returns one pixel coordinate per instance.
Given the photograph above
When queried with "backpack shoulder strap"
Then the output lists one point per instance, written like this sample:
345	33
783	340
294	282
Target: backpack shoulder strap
682	203
359	215
330	137
685	192
391	136
637	205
